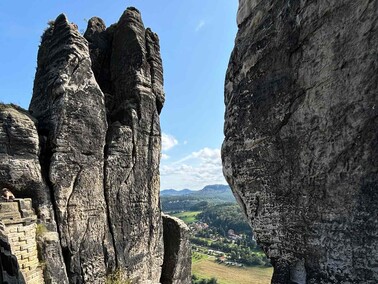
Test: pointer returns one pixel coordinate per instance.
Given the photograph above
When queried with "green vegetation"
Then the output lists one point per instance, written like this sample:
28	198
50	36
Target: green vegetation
224	217
196	201
196	257
222	241
116	277
198	280
40	230
4	106
188	216
207	267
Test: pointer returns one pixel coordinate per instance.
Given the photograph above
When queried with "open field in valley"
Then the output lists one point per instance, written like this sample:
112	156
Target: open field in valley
206	267
187	216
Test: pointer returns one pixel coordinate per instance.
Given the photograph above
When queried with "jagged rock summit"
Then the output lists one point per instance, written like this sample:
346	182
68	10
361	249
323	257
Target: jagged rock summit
301	139
88	153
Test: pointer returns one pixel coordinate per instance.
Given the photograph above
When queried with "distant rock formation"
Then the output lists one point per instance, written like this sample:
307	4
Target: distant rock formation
301	139
177	264
88	152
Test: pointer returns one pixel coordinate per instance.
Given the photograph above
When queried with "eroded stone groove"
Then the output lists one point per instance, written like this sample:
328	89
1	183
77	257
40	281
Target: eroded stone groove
133	78
88	153
300	149
20	171
70	109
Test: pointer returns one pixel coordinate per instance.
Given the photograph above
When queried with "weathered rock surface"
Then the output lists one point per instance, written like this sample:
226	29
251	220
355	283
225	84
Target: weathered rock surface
20	171
177	253
301	144
131	75
88	154
70	109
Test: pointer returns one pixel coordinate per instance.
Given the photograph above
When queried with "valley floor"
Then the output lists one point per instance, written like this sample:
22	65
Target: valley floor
206	267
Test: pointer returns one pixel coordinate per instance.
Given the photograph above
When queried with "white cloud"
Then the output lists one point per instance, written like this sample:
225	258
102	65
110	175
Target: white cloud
168	141
198	169
200	25
205	154
164	156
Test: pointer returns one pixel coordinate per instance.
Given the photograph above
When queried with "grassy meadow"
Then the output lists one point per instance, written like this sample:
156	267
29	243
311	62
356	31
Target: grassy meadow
205	267
187	216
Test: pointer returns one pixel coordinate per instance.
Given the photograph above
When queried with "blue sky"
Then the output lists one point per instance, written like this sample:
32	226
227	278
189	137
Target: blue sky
196	39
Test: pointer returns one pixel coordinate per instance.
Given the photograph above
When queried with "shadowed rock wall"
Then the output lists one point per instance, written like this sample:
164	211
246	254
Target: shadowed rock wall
20	171
177	264
301	145
127	64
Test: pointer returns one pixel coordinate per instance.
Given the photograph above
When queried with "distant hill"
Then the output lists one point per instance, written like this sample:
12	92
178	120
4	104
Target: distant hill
216	188
174	192
207	190
185	199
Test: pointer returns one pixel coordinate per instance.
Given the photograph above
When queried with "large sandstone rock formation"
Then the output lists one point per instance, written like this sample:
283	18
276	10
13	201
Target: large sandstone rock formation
20	171
301	144
88	152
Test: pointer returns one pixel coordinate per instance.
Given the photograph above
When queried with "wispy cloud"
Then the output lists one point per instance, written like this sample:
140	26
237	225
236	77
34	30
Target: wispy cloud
168	141
200	25
194	171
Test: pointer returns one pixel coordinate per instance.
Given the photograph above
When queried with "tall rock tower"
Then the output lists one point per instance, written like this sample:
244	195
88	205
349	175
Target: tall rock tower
88	154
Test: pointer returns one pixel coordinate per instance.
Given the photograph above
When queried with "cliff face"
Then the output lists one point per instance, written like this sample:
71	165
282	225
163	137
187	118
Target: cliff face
70	110
126	61
300	149
88	153
20	171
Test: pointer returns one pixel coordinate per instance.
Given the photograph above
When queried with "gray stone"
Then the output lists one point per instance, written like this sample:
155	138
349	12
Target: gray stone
134	83
300	149
90	156
20	171
177	264
70	109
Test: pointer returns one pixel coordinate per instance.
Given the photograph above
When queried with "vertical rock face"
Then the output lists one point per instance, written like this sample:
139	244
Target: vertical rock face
301	145
70	109
20	171
177	264
131	76
88	153
19	155
132	165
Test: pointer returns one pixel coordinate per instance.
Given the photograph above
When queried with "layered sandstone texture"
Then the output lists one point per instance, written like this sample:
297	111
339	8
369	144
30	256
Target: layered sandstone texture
21	172
177	264
88	152
97	102
301	139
